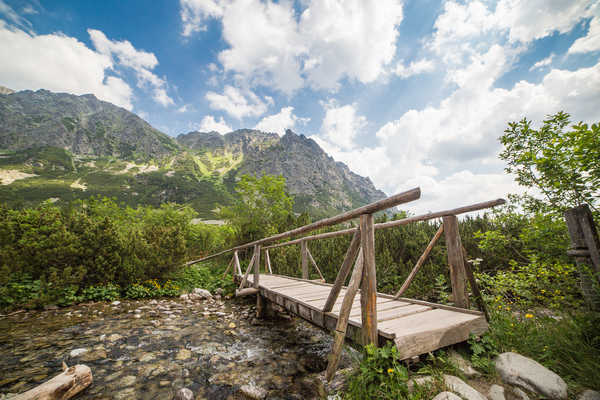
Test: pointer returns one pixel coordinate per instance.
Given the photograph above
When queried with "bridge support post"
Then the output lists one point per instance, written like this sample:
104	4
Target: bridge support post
304	258
456	262
368	293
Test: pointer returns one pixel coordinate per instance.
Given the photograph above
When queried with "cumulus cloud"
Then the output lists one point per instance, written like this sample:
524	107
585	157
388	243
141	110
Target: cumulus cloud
591	41
209	124
414	68
59	63
271	44
342	124
237	102
140	61
542	63
278	123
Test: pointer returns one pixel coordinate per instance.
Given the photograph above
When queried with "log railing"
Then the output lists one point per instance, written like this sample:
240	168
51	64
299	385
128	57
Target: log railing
361	254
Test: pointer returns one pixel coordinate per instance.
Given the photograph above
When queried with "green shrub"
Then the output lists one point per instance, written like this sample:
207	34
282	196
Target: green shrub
107	292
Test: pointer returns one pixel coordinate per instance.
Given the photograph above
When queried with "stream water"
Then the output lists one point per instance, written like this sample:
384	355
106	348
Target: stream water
151	349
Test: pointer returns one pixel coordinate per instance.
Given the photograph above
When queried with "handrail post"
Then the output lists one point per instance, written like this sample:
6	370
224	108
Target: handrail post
256	265
304	258
368	293
456	262
343	272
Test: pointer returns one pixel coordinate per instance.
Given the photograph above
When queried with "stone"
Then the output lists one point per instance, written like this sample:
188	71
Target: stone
419	381
115	303
93	355
519	394
457	385
183	354
127	381
114	337
125	394
202	293
76	352
589	395
184	394
164	383
146	357
530	375
446	396
254	392
231	325
496	392
463	365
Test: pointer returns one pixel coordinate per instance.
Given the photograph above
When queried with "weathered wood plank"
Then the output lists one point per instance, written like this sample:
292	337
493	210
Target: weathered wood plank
369	282
431	330
343	272
456	262
256	279
268	261
245	278
304	259
238	268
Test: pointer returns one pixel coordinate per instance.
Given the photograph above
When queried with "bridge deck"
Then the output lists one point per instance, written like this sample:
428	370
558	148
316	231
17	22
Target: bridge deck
416	327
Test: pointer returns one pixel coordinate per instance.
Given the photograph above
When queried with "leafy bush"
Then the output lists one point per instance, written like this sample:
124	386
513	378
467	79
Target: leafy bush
107	292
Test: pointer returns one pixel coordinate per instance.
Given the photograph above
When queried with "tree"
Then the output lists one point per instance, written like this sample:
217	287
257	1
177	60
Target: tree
562	164
261	207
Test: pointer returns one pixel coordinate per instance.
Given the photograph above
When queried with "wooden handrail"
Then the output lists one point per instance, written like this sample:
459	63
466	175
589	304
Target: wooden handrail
404	221
383	204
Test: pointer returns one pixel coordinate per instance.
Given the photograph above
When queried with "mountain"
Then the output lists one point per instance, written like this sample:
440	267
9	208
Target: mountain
81	124
61	147
317	181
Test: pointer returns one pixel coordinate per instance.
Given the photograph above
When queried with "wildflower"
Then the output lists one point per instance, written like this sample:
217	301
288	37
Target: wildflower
507	308
528	315
499	307
390	371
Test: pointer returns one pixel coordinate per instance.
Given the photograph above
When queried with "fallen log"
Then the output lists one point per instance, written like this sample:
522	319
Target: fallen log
62	387
245	292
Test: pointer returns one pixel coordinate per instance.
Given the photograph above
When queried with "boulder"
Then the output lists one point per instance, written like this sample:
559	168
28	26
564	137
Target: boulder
184	394
519	394
446	396
76	352
253	392
457	385
463	365
530	375
496	392
589	395
202	293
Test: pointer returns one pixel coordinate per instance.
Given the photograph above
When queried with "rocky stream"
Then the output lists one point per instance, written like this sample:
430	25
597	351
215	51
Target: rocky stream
150	349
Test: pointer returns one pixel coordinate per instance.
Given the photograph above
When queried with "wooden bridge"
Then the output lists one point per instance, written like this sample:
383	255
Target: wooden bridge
416	327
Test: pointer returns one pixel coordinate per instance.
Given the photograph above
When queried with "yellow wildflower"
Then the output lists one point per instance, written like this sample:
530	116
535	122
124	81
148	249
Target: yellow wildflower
390	370
528	315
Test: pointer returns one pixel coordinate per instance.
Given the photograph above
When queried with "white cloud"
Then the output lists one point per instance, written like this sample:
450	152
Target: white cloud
278	123
184	108
414	68
341	124
591	41
195	12
237	103
9	13
542	63
59	63
138	60
271	45
209	124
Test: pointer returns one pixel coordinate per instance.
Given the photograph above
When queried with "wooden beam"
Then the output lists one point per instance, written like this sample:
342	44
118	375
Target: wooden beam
268	261
256	265
245	278
237	263
246	292
368	294
420	261
314	263
399	222
304	260
456	262
344	316
343	273
475	286
227	269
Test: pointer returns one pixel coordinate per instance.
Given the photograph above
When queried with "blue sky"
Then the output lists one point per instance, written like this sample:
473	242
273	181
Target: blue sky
409	93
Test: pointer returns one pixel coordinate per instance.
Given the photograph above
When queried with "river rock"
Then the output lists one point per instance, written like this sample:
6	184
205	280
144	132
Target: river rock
127	381
184	394
518	370
202	293
183	354
496	392
115	303
519	394
419	381
446	396
589	395
463	365
76	352
457	385
253	391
